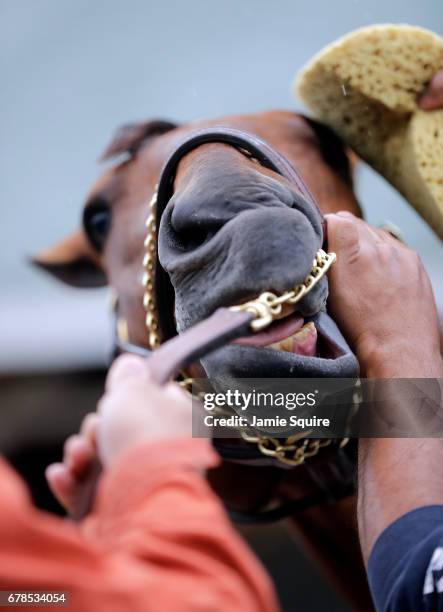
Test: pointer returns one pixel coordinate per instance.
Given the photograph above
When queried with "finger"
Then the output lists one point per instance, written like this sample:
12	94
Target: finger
62	485
79	454
342	233
177	393
432	99
345	214
88	429
126	368
365	229
388	237
376	234
393	241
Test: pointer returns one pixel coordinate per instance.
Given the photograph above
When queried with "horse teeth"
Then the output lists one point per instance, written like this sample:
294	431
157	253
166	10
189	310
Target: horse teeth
299	341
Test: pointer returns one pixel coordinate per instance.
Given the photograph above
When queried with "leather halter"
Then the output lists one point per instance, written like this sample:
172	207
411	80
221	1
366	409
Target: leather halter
338	482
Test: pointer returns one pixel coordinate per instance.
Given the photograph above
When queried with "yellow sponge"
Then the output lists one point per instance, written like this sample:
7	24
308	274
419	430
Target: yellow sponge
365	86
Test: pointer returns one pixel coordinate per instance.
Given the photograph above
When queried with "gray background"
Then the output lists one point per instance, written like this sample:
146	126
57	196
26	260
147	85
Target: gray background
72	71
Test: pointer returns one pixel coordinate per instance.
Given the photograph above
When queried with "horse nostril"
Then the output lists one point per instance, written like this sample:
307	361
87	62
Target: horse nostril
193	237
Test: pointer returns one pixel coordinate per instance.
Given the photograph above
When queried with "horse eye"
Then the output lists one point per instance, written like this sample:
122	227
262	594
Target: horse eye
97	221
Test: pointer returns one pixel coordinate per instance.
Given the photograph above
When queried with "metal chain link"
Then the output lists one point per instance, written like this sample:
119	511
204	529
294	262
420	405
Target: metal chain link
149	304
268	305
292	451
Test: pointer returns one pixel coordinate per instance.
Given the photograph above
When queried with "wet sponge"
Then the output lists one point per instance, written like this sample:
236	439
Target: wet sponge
365	86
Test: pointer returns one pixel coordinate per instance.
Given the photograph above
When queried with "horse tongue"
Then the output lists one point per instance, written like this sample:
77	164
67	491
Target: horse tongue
278	330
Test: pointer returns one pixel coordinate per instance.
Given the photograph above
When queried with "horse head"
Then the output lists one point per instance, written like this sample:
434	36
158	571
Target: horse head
232	229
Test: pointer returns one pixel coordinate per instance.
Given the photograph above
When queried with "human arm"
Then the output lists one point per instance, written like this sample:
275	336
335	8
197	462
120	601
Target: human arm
382	300
157	537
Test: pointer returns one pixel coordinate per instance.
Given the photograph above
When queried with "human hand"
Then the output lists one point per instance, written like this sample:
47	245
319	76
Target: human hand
135	409
132	411
382	300
70	479
432	99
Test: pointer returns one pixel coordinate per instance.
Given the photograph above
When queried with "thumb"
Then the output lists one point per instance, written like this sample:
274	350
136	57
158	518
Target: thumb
432	99
343	234
125	369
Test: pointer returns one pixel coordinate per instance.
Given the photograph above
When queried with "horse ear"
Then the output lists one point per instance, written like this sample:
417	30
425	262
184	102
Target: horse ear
73	261
334	152
130	137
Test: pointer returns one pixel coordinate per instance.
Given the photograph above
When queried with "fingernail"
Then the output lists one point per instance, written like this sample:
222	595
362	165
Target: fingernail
130	366
52	469
125	368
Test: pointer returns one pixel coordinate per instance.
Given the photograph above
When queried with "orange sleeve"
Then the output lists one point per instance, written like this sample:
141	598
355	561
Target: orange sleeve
157	539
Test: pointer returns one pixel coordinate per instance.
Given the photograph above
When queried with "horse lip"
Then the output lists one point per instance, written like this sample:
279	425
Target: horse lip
279	330
234	361
328	333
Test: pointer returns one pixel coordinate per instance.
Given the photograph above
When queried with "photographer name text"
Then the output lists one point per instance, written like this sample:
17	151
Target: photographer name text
212	420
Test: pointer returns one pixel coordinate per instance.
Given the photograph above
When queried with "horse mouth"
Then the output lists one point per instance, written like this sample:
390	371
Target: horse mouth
303	342
313	338
291	334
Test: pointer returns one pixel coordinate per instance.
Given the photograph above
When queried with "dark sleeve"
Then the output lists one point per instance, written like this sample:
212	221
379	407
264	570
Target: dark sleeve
405	569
